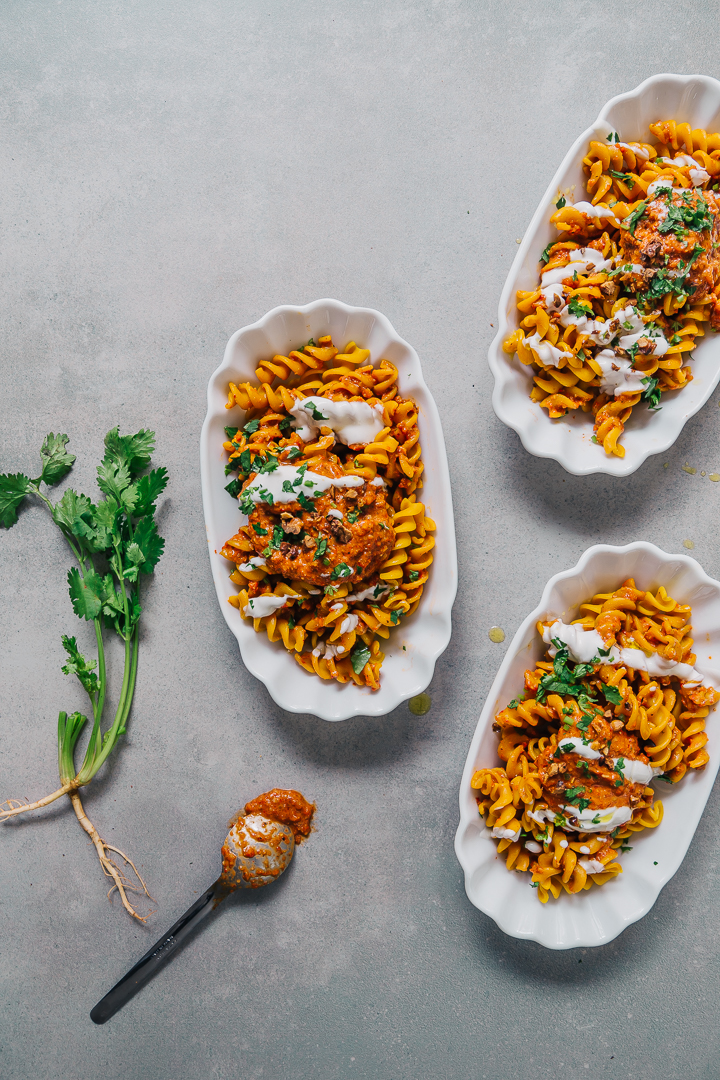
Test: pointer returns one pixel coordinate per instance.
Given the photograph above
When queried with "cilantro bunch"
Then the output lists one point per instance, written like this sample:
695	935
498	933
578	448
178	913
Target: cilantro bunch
115	542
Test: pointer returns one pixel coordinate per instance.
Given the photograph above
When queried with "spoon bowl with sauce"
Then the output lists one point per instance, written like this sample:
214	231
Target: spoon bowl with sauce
257	850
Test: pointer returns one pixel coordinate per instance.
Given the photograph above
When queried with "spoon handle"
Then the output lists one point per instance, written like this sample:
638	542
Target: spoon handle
162	951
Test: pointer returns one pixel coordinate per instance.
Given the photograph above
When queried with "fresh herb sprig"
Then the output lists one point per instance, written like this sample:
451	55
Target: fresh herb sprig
115	542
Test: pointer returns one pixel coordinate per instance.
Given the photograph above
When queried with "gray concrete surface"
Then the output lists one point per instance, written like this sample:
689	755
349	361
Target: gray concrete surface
171	171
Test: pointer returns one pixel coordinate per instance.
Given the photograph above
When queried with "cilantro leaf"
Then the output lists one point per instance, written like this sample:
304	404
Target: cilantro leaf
114	478
78	665
259	529
560	203
293	452
269	465
342	570
359	657
353	515
576	307
313	410
395	617
307	504
652	392
630	222
72	512
321	548
627	177
57	463
251	427
133	451
612	694
231	432
234	488
13	489
149	488
86	593
545	257
134	557
150	543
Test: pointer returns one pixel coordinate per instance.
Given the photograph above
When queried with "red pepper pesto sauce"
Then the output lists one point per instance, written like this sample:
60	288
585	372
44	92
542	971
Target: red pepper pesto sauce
286	806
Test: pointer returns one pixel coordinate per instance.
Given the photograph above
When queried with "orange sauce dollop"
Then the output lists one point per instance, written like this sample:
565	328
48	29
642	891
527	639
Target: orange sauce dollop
286	806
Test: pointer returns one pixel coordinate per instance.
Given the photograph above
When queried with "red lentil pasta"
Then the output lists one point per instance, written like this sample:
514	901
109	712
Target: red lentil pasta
631	282
615	702
337	547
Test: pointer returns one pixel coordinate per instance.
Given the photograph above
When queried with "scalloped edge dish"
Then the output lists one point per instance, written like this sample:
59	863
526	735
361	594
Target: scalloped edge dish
695	98
595	917
426	633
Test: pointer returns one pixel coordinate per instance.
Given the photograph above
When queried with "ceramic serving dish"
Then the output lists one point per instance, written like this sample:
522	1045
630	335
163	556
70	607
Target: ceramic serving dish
691	98
600	914
426	633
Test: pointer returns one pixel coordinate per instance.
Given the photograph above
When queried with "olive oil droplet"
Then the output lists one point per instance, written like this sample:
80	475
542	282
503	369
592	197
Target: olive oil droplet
688	544
714	477
420	704
496	634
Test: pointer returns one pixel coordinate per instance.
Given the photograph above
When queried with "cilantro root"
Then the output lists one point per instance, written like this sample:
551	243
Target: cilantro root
114	542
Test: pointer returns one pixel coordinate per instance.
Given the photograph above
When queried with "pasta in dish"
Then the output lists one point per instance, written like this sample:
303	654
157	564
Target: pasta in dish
615	703
337	549
631	282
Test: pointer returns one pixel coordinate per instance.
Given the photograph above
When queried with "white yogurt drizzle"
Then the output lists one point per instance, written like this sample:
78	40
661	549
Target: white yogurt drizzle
504	834
591	866
349	623
584	645
354	422
253	564
374	592
607	819
258	607
578	747
311	484
637	772
596	212
324	648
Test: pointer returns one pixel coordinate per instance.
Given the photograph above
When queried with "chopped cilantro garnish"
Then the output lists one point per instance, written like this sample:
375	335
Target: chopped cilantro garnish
270	465
612	694
342	570
313	410
234	488
631	220
293	452
259	529
573	793
231	432
627	177
567	748
251	427
359	657
353	516
414	575
286	426
652	392
320	548
287	486
577	308
560	203
307	504
563	680
545	257
625	847
395	617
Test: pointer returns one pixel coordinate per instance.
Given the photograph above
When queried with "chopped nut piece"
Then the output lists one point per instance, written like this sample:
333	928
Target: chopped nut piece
293	525
342	534
645	346
610	290
351	493
617	725
309	543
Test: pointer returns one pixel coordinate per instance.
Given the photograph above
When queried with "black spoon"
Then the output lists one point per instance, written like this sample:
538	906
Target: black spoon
256	852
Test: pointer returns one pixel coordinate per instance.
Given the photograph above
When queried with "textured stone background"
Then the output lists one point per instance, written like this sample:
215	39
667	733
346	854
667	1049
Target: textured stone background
171	171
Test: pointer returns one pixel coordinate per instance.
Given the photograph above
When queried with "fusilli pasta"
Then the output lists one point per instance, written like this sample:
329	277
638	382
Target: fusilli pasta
615	702
337	548
631	283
